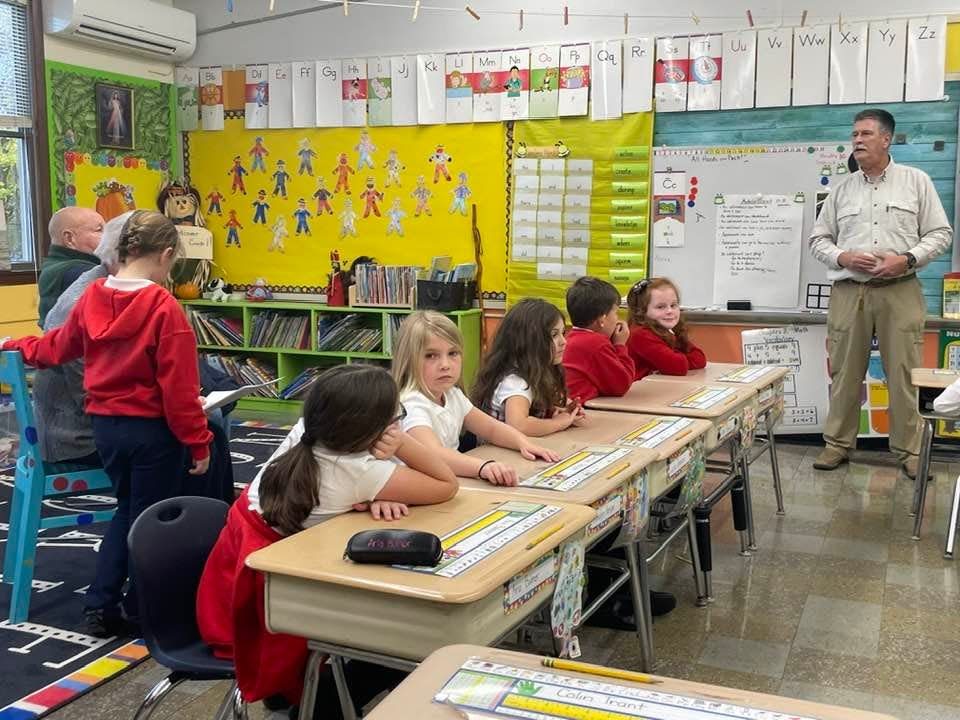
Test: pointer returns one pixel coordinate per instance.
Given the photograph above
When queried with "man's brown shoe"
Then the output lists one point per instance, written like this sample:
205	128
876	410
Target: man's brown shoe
830	458
910	466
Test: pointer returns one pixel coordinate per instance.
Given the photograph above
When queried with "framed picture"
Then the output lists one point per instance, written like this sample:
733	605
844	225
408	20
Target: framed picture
114	116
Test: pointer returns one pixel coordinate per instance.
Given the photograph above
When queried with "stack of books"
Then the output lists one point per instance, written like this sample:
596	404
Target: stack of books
393	332
347	333
247	371
213	329
385	284
298	389
280	330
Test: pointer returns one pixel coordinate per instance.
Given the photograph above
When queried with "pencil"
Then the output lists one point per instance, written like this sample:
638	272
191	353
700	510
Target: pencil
588	669
683	434
617	470
543	536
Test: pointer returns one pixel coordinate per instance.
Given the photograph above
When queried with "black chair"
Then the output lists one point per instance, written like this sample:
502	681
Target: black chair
169	544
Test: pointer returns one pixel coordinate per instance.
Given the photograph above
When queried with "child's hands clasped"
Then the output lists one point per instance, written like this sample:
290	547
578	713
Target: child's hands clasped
388	444
383	509
498	473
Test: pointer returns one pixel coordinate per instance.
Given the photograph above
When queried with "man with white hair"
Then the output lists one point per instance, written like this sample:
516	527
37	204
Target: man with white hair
74	235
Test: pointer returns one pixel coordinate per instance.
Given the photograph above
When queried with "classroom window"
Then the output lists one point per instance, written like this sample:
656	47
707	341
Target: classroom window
18	168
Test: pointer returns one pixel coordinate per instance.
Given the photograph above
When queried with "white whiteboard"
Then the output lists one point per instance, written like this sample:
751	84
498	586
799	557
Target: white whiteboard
786	169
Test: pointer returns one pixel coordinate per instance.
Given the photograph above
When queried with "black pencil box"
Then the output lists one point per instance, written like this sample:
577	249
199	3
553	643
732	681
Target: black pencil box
394	547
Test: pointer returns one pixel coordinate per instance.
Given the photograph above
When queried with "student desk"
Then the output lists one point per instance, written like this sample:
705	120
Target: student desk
393	616
930	383
665	463
413	698
767	383
726	419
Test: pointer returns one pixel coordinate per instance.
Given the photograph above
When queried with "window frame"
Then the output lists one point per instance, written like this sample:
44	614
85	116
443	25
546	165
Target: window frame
37	156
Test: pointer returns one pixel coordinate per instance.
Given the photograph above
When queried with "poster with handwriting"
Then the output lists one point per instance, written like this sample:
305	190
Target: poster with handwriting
706	73
811	59
380	90
774	60
848	63
431	103
403	90
515	103
304	86
187	81
574	93
607	77
739	70
638	55
459	91
281	96
671	72
329	93
544	81
926	50
211	98
487	87
887	47
354	92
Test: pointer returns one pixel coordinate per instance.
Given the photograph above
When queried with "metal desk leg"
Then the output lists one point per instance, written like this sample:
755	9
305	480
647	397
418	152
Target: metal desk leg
774	461
702	515
952	522
695	559
343	690
311	680
640	594
748	499
923	470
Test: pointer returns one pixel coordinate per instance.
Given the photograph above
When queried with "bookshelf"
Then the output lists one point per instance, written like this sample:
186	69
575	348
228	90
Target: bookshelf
347	334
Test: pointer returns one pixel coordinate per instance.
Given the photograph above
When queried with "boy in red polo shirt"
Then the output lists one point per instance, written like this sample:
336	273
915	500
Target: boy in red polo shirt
595	359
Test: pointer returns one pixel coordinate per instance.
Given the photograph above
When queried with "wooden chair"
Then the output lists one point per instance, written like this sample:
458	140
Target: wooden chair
35	482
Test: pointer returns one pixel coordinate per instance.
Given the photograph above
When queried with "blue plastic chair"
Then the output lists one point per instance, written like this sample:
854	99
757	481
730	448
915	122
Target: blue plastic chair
169	544
35	482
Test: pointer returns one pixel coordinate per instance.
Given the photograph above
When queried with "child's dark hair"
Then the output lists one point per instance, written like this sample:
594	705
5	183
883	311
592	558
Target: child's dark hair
590	298
147	232
638	300
347	410
523	345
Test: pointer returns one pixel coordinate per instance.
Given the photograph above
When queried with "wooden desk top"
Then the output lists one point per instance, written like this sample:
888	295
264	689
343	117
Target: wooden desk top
317	553
711	374
932	378
655	398
413	698
605	426
585	494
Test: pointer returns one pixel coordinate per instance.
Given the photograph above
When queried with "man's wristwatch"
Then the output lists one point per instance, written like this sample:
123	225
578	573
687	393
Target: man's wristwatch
911	260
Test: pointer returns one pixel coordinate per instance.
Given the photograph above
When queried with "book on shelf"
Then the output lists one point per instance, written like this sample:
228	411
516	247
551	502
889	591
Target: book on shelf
213	329
219	398
385	284
281	330
248	371
348	333
301	384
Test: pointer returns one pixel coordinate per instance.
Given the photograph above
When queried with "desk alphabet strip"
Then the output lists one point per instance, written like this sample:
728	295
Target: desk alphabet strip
746	374
704	398
514	692
576	469
656	432
475	541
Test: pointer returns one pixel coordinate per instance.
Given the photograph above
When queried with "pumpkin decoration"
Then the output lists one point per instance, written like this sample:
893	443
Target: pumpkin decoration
113	198
187	291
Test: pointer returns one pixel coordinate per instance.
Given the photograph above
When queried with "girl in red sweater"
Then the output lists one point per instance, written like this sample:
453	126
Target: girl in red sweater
658	335
142	394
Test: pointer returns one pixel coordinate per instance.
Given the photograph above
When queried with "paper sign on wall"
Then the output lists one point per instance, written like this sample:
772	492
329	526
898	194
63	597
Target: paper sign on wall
887	46
774	59
638	56
574	80
211	98
355	92
329	93
380	90
431	105
811	59
515	104
739	70
926	52
487	87
281	96
188	97
671	72
403	90
459	91
706	73
303	77
544	81
606	70
669	194
848	63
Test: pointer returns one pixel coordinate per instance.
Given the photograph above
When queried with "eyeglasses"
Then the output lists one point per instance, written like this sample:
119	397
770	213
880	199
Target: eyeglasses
400	415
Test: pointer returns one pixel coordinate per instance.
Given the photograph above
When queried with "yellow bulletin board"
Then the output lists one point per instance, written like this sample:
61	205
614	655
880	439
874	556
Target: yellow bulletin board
303	262
114	190
615	244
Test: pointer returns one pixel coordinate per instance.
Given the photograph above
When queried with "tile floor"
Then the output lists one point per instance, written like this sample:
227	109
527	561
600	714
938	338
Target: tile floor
839	605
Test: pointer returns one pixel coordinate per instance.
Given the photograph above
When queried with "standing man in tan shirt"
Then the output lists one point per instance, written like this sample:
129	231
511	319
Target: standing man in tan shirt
874	231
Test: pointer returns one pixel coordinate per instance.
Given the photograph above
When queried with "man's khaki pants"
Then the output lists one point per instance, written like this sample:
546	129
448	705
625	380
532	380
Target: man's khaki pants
896	312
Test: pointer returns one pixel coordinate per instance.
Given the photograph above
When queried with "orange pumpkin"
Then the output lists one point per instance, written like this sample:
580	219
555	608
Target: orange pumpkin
187	291
112	205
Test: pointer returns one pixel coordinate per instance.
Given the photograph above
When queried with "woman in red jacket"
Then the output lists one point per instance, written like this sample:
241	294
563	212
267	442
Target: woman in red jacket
658	335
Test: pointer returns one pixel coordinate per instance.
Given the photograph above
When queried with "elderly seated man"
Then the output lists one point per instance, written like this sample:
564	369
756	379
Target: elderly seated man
74	235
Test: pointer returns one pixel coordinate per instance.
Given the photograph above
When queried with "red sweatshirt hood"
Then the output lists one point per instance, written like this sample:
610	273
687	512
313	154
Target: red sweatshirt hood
111	314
